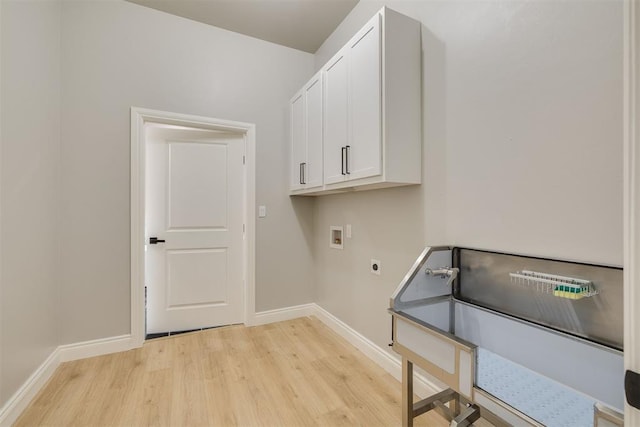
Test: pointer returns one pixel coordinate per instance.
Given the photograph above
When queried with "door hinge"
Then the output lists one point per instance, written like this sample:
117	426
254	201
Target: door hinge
243	229
243	160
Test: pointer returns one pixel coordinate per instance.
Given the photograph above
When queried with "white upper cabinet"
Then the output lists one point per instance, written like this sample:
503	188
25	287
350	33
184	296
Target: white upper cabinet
306	136
371	111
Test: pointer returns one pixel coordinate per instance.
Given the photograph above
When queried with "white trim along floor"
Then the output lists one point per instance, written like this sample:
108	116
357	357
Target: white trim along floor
388	361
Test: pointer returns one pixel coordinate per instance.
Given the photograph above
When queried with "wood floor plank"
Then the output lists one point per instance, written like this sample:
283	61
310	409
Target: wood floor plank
294	373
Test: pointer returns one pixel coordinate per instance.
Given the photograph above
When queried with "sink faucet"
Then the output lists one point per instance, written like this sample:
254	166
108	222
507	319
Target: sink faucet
443	273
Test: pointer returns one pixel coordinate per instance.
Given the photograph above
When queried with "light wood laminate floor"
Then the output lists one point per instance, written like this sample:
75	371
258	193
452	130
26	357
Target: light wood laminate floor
293	373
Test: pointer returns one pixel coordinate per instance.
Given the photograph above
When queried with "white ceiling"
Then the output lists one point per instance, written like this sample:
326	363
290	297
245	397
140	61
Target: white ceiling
300	24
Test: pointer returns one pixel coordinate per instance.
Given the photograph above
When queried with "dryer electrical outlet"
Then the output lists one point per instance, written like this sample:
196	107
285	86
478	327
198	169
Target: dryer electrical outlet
375	266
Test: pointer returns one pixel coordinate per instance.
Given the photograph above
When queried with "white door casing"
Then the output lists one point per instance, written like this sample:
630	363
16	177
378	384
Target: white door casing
140	117
194	186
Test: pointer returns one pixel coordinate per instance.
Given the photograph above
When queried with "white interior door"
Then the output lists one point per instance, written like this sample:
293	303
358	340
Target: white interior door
194	202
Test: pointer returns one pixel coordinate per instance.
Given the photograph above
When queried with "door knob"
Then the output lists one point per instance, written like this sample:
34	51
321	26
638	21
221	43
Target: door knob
155	240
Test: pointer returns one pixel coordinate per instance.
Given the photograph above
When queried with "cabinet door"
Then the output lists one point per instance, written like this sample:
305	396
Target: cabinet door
313	118
365	109
336	131
298	143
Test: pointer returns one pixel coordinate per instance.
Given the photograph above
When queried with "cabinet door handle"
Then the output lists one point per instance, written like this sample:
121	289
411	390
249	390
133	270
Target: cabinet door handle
342	156
347	151
304	173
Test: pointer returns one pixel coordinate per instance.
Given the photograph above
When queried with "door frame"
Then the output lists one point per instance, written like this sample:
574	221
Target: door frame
140	116
631	210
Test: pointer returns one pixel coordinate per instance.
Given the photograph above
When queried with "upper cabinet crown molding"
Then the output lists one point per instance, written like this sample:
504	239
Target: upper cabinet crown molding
369	107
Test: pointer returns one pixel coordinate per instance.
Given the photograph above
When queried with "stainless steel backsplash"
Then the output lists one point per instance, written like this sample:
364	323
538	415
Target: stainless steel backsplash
484	280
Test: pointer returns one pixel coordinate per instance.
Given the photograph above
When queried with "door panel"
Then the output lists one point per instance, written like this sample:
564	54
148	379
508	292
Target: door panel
196	277
298	142
365	102
336	129
197	185
194	201
313	112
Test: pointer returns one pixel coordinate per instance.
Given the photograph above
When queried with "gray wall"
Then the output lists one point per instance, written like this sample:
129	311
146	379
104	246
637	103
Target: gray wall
522	104
70	73
29	188
522	148
116	55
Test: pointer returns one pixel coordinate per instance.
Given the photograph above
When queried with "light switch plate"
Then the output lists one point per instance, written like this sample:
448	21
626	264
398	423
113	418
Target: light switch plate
262	211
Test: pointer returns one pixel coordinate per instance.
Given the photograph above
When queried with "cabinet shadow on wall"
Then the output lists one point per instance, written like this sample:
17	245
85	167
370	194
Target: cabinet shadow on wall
304	208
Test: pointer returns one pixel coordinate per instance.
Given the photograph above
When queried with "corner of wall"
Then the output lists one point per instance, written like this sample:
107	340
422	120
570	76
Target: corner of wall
30	85
17	403
21	399
58	255
388	361
1	282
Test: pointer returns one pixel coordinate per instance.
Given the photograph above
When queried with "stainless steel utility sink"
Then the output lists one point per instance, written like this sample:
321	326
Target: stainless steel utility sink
525	340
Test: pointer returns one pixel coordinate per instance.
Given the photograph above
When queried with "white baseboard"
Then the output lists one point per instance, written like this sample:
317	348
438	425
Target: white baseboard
391	363
10	412
64	353
282	314
387	361
92	348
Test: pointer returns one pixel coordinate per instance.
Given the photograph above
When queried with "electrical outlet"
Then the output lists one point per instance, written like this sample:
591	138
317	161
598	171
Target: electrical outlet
375	267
